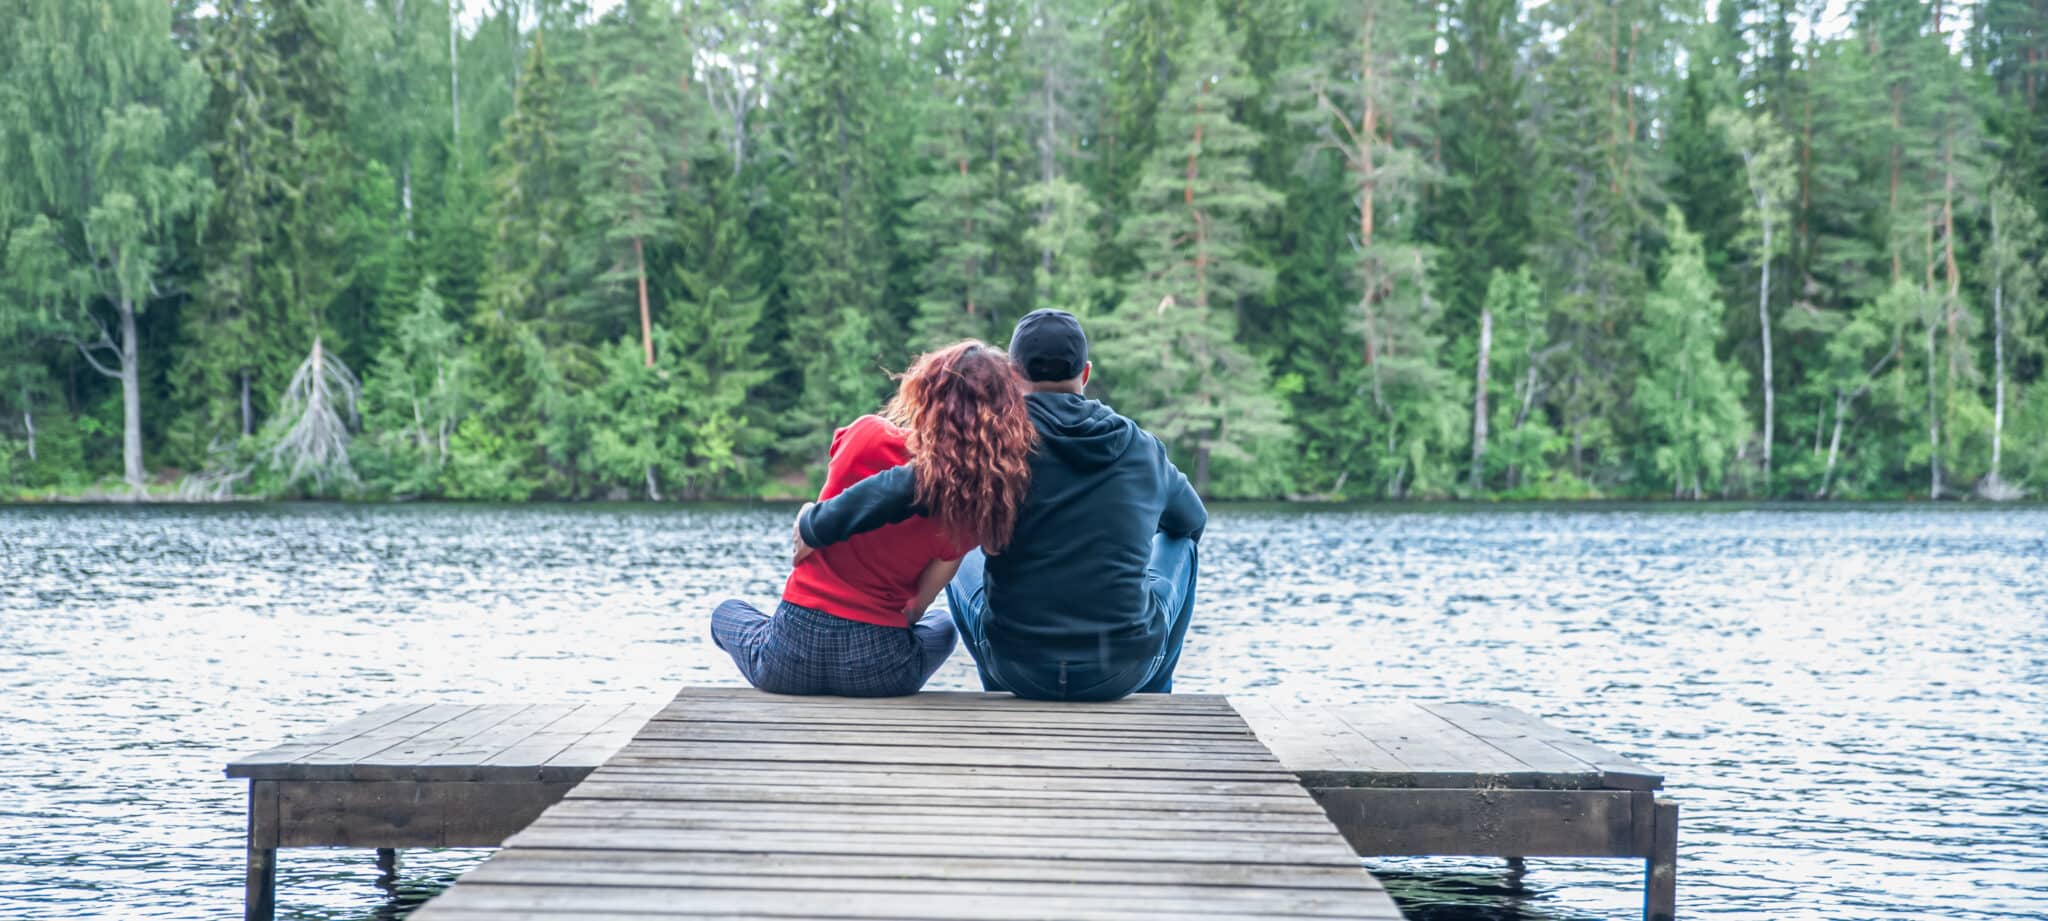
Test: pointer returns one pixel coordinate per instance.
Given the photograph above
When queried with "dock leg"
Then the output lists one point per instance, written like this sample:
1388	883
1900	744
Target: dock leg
387	869
1518	869
259	897
1660	890
259	894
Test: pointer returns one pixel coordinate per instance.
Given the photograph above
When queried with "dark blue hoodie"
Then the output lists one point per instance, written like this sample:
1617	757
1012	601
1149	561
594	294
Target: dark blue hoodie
1071	584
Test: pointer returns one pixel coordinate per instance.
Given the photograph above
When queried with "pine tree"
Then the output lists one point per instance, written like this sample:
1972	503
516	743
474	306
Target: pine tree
526	319
1367	100
630	155
1481	218
716	314
99	158
1689	399
965	216
416	394
1172	357
835	255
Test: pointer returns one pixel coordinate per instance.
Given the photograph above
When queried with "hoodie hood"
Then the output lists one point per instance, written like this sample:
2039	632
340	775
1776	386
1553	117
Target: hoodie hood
1079	432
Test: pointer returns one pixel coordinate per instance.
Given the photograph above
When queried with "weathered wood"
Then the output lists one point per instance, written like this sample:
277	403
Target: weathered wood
952	867
1660	897
911	906
301	746
316	813
1616	771
259	888
1113	810
767	805
1483	823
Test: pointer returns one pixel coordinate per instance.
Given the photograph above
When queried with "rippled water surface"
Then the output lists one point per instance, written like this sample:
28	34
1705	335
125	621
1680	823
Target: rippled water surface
1850	704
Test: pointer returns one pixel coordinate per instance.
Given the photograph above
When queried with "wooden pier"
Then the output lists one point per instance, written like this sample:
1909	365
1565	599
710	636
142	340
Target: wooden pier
730	803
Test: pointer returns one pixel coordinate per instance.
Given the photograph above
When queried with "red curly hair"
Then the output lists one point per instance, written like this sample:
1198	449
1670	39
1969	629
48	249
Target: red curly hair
970	439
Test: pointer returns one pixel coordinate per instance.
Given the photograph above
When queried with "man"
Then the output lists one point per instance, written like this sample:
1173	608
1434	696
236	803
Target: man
1092	598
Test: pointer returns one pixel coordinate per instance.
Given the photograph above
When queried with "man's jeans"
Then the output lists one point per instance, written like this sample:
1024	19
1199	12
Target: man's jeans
1170	587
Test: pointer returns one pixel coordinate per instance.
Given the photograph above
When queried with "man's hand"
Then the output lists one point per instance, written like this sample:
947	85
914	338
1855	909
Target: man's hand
799	549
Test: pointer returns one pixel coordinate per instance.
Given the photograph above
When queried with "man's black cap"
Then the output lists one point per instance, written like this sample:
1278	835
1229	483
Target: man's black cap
1049	345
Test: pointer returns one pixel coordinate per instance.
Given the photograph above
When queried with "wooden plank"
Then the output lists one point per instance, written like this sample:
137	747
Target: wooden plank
480	749
883	880
957	721
578	900
1616	772
563	739
1382	822
1513	738
892	737
274	760
954	867
1329	852
971	799
1428	744
404	760
1309	739
981	701
596	747
1055	811
896	781
650	750
337	761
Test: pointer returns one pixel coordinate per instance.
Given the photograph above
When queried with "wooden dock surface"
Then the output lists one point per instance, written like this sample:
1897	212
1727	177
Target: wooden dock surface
735	804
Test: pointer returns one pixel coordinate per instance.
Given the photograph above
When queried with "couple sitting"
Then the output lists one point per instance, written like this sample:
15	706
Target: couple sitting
1062	536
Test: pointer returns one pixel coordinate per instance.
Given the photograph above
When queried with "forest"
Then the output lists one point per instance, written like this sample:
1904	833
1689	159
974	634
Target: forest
1329	249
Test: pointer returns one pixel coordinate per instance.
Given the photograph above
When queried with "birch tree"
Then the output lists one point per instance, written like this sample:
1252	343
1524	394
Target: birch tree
100	106
2017	257
1767	166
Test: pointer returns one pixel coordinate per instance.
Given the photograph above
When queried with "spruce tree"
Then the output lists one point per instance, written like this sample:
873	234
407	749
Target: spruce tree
835	255
963	223
630	156
1367	99
715	315
1171	355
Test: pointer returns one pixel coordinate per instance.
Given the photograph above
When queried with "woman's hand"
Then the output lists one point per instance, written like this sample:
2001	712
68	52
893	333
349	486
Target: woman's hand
797	548
929	584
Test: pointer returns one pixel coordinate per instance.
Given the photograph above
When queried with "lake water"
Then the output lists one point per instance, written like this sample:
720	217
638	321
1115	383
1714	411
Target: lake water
1849	703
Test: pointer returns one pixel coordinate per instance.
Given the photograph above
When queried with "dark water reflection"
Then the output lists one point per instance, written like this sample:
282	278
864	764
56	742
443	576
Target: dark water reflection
1850	704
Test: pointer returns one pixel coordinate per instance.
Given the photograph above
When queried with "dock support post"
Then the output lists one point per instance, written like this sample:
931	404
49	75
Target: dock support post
259	899
387	869
1660	891
259	894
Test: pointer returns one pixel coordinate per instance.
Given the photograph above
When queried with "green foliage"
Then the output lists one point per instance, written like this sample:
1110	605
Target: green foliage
1688	399
1171	355
1285	224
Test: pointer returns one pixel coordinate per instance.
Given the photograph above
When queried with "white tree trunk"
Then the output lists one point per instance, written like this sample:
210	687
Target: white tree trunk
1479	401
1997	344
1763	317
131	400
1933	422
28	423
248	411
1834	448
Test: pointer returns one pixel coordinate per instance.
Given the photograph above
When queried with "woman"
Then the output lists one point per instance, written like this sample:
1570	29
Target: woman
852	620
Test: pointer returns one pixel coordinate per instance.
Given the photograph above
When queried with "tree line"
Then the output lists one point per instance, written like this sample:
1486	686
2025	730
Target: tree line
1329	248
